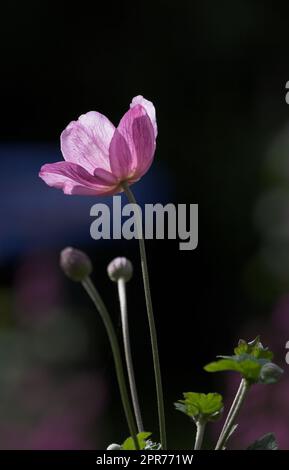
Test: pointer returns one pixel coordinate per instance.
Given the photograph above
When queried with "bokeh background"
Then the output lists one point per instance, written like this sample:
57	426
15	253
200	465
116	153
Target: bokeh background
216	72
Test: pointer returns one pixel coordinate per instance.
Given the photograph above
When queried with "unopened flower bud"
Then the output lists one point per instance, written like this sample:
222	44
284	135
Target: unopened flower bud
76	264
270	373
114	447
120	268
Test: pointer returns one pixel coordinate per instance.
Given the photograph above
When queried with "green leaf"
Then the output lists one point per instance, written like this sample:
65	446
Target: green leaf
254	348
267	442
248	367
242	347
141	437
203	406
248	360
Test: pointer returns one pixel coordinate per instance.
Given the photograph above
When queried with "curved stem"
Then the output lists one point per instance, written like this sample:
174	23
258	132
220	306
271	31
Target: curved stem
233	413
127	351
201	425
100	306
152	327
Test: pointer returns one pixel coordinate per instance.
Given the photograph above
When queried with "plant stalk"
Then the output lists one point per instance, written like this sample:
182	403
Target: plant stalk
151	321
233	413
100	306
127	349
201	426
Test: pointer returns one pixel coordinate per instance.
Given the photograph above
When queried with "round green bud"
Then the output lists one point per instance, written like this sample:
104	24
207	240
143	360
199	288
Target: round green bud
75	264
270	373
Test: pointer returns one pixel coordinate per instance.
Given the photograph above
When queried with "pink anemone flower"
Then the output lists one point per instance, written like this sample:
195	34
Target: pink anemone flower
99	158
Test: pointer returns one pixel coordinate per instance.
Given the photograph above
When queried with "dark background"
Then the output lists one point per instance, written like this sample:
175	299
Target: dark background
216	72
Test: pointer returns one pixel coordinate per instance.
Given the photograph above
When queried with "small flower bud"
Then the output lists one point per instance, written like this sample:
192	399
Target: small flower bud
270	373
114	447
75	263
120	268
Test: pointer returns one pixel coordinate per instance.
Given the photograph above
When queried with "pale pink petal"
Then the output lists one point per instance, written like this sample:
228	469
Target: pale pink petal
75	189
73	179
145	144
105	177
133	144
72	189
149	107
86	141
120	156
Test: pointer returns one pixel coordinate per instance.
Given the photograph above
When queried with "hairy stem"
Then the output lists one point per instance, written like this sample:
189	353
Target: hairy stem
100	306
201	425
151	321
233	413
231	410
127	349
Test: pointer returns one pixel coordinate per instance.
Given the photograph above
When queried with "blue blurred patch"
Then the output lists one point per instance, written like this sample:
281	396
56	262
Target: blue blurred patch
34	216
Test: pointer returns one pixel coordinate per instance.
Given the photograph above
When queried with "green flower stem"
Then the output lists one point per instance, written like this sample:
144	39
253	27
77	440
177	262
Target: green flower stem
100	306
152	327
230	411
233	413
127	349
201	425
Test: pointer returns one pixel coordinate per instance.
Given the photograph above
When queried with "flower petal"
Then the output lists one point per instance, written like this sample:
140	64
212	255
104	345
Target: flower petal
78	190
145	144
120	156
86	141
73	179
150	109
105	177
133	144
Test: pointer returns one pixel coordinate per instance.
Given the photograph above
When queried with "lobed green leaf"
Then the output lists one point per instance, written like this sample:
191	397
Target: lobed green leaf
203	406
141	437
